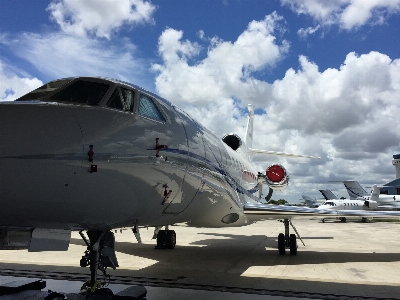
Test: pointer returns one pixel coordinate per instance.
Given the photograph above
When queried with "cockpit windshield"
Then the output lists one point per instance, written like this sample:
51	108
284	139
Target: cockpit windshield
44	90
82	91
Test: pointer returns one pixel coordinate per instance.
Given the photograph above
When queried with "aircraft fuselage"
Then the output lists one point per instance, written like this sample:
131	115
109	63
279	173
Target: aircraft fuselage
79	166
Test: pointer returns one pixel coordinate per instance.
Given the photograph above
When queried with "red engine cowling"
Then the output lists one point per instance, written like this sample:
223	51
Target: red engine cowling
276	177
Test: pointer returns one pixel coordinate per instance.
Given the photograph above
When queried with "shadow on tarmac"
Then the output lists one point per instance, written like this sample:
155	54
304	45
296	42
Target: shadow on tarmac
222	260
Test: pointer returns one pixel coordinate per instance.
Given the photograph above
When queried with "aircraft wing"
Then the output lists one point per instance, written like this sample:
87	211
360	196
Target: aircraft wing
274	153
295	211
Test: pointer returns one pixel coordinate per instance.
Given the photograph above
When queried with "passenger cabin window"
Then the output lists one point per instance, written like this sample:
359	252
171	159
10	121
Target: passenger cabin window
82	91
121	99
148	108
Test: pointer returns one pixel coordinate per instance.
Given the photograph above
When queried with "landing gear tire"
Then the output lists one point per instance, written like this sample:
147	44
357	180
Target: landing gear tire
293	244
364	220
171	239
161	238
343	219
281	244
166	239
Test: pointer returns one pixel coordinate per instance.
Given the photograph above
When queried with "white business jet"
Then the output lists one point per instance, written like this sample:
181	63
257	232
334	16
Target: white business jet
94	154
344	204
356	191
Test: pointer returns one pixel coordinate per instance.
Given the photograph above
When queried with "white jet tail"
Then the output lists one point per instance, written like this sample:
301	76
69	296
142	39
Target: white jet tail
249	129
249	140
375	193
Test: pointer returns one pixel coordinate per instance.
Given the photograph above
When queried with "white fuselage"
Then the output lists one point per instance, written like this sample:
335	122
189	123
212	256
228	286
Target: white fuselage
49	179
384	200
338	204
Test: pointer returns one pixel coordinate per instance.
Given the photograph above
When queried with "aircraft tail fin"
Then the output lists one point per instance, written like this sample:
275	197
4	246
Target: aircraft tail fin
249	140
307	198
249	129
309	201
328	195
375	193
354	189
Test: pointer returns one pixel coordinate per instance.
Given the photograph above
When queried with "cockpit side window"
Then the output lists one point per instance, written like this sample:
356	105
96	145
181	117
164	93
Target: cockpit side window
148	108
82	91
121	99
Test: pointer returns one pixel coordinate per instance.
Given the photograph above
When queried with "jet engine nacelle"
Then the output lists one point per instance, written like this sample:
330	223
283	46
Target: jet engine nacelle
370	204
276	177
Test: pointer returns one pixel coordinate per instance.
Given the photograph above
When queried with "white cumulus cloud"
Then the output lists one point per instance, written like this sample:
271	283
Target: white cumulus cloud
348	14
225	72
14	85
100	18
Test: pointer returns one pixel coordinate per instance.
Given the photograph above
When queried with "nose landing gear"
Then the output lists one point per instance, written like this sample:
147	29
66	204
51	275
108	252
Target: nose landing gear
100	254
288	241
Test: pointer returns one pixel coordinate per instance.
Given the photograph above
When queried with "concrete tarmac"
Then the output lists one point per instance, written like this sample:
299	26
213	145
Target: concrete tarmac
350	259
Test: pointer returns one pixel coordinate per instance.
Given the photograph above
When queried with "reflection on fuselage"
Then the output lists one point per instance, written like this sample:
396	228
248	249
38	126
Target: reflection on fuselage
96	149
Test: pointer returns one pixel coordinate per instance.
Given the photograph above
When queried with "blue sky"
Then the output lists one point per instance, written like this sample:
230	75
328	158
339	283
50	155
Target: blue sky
323	75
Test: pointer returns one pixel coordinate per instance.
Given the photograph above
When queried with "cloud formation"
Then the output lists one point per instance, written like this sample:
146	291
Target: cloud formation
348	115
99	18
13	84
348	14
225	72
61	55
82	45
304	32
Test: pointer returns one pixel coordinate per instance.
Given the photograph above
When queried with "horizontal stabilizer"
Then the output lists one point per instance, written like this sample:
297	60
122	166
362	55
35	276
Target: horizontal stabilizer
274	153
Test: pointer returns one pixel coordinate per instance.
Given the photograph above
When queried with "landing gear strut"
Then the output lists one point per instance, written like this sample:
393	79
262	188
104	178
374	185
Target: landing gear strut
166	239
288	241
100	254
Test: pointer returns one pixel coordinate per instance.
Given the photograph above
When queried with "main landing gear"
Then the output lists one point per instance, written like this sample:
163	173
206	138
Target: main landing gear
288	241
166	239
100	254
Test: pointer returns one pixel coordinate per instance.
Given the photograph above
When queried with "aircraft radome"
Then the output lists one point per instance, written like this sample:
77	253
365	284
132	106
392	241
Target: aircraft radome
94	154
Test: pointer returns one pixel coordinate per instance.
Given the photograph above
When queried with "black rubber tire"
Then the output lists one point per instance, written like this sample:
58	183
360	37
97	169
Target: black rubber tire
161	238
102	291
293	244
343	219
170	239
281	244
364	220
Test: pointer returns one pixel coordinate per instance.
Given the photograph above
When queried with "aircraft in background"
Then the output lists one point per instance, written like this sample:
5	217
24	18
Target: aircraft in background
344	204
310	202
94	154
357	192
328	195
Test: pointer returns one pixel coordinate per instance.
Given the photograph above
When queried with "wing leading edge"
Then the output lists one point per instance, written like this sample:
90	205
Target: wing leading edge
295	211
